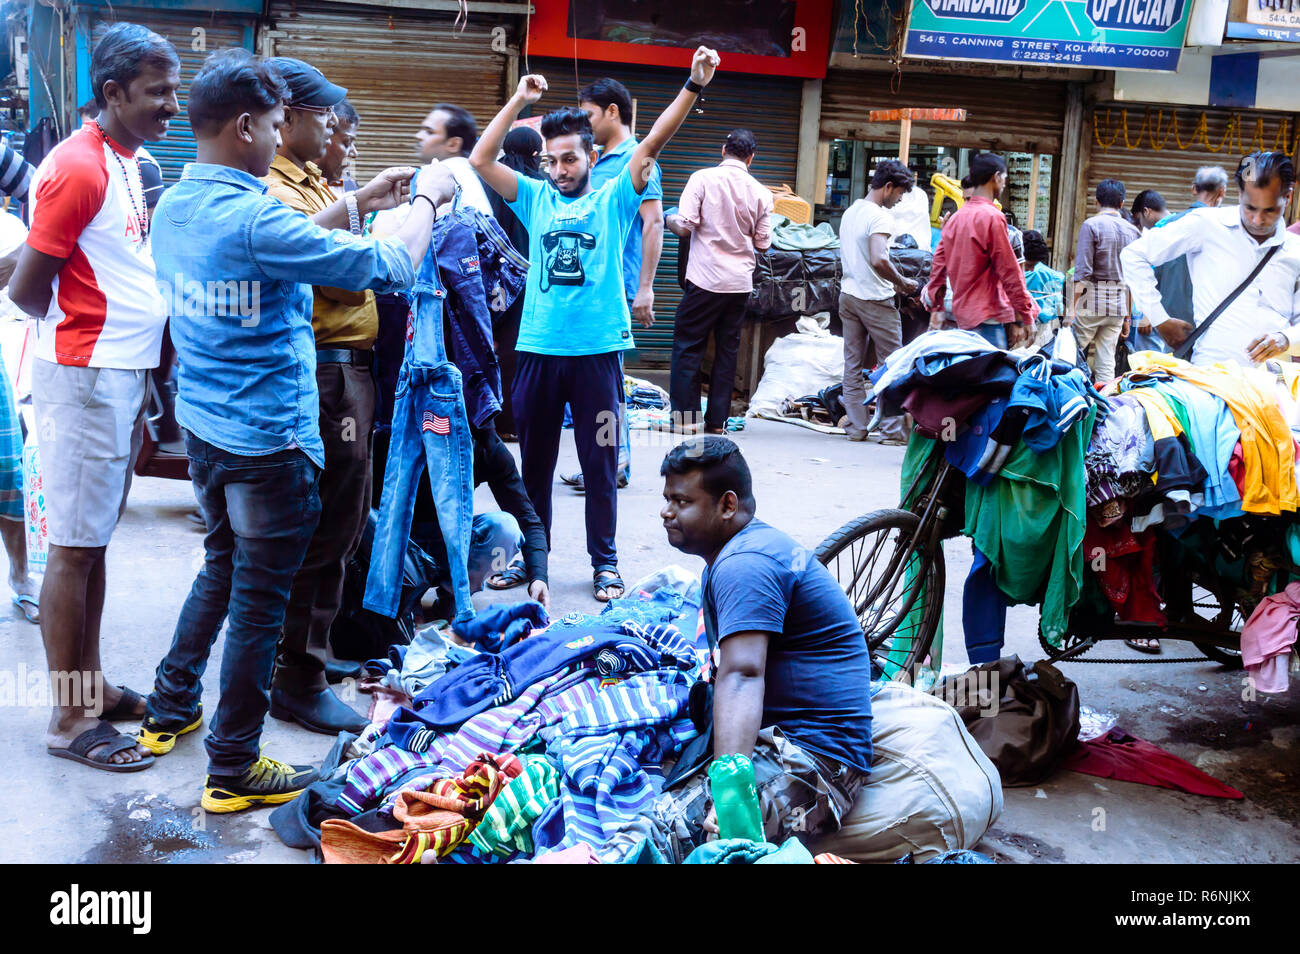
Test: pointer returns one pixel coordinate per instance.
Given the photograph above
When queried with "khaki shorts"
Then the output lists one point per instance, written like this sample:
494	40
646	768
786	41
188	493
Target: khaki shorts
89	427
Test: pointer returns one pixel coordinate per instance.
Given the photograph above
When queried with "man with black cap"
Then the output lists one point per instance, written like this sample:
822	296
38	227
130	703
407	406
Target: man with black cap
345	324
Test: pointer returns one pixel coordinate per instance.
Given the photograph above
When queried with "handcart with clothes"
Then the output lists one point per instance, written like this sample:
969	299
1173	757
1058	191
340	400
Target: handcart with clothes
1160	507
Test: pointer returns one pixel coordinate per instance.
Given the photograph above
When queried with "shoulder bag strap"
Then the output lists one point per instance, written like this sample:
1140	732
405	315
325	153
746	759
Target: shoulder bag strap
1184	350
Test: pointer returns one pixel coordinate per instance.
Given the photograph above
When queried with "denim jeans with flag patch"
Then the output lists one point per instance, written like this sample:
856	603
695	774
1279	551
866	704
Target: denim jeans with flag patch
430	428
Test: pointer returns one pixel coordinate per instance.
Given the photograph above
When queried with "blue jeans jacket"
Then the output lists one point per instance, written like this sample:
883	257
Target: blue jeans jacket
430	428
483	275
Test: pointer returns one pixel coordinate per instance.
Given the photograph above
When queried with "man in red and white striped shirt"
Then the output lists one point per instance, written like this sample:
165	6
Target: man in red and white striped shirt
87	277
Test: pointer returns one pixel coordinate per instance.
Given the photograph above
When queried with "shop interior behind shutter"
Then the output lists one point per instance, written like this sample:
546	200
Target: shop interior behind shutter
767	105
1016	118
396	65
1171	169
195	35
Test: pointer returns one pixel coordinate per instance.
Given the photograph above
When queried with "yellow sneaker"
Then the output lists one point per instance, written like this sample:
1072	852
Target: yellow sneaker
265	782
160	739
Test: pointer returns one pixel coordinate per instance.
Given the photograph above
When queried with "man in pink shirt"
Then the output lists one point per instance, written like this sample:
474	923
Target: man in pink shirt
989	295
1295	228
726	212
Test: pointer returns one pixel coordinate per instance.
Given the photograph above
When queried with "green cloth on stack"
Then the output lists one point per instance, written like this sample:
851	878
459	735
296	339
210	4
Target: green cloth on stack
507	826
1033	509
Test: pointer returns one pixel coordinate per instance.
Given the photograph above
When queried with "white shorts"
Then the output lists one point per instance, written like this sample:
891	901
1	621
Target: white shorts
89	427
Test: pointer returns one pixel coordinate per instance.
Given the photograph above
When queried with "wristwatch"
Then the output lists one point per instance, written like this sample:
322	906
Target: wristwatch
354	217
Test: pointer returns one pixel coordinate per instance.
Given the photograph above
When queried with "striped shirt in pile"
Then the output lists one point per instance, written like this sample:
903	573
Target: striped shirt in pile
602	750
507	827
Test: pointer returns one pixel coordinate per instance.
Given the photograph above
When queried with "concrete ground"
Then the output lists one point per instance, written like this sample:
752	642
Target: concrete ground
807	484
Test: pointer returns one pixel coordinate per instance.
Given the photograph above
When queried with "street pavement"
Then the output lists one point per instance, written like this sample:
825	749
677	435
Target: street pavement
807	484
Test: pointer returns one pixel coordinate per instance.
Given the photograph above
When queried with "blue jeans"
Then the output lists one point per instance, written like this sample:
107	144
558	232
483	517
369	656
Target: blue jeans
995	333
260	513
495	540
430	428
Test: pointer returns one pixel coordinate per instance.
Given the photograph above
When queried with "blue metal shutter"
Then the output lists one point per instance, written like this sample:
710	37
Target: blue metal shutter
767	105
220	30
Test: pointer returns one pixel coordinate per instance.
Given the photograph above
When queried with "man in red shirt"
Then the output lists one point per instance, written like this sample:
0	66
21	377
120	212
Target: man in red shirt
87	276
989	295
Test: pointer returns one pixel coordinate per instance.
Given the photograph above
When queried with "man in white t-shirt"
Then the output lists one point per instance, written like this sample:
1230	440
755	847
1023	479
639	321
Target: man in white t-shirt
867	292
448	134
87	276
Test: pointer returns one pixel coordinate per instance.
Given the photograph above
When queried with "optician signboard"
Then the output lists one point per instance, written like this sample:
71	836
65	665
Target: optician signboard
1089	34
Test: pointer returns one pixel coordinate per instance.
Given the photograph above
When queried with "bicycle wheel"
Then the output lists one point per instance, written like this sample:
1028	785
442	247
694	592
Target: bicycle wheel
896	590
1222	613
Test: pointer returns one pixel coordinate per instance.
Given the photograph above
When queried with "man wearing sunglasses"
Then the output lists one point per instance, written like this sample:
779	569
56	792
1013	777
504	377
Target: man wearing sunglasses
345	323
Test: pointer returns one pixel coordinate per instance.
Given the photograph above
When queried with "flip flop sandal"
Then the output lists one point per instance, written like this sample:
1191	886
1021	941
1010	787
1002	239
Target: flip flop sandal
1149	649
124	711
105	741
605	580
30	606
516	574
573	480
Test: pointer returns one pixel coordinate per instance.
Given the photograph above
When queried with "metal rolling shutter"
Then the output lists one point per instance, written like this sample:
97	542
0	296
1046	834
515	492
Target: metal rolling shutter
1171	170
220	30
396	65
1007	115
767	105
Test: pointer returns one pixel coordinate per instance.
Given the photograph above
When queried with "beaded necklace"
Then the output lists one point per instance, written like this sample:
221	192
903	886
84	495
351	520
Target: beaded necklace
140	209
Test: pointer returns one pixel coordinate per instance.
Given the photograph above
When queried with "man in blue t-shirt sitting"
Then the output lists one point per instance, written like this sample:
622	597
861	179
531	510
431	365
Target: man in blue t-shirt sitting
576	325
792	689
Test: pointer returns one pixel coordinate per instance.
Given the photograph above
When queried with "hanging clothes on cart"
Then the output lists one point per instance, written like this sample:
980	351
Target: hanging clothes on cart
1267	446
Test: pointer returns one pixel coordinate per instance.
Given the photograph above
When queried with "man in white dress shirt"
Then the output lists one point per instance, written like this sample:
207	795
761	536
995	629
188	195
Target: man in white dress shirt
1223	246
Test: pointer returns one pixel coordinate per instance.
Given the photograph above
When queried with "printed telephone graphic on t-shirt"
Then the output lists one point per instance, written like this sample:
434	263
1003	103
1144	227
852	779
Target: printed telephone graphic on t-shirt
562	258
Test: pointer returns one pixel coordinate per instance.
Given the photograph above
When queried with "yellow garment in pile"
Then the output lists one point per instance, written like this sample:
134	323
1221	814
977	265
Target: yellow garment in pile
1267	448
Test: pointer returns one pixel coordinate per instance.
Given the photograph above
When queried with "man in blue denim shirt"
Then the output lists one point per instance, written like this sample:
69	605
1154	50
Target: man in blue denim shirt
236	268
576	322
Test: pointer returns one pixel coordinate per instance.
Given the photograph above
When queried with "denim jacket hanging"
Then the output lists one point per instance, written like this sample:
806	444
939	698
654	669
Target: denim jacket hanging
483	275
430	428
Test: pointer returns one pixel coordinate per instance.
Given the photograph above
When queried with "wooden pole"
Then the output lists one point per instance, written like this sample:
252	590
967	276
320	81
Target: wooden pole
905	136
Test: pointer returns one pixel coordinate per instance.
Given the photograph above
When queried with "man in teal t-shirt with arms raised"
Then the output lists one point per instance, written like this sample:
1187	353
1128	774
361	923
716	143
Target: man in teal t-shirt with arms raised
576	322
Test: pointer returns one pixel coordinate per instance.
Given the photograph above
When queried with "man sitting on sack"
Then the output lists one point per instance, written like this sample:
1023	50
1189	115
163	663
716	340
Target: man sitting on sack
792	690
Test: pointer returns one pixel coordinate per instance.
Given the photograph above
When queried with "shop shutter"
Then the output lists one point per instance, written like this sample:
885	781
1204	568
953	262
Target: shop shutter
1171	168
1006	115
397	64
769	106
220	30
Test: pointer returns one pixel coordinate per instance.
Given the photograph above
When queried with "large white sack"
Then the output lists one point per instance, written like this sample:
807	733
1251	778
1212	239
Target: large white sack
796	365
931	788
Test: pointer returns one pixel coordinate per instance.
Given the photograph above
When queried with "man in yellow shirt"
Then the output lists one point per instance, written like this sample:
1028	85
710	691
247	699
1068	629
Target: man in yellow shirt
345	323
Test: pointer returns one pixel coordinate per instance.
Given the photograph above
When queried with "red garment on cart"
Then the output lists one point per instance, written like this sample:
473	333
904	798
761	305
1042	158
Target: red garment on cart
1127	573
1126	758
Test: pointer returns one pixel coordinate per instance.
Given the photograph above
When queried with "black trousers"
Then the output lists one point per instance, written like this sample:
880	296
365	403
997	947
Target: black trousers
699	314
592	386
347	418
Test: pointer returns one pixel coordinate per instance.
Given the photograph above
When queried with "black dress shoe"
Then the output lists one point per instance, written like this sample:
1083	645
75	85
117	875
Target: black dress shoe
336	670
320	711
